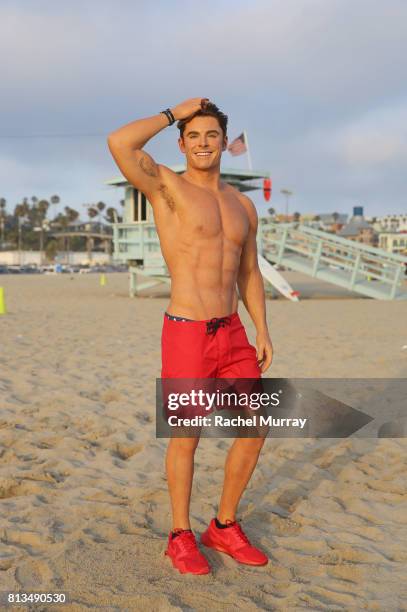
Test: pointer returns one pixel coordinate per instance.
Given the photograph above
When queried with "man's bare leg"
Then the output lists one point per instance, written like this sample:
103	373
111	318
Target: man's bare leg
239	466
180	473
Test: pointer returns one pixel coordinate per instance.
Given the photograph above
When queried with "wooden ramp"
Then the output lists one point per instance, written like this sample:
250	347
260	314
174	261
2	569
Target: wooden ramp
364	269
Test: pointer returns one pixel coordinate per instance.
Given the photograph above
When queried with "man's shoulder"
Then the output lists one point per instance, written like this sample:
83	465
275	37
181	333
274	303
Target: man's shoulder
246	202
243	198
167	173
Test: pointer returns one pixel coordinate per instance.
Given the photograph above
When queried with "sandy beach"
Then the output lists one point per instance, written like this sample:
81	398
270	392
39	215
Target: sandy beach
83	495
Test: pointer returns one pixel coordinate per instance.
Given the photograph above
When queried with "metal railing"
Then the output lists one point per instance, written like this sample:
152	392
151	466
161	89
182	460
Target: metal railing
344	262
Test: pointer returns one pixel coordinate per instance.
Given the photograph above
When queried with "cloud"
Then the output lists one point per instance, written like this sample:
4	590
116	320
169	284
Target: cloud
377	139
315	83
323	52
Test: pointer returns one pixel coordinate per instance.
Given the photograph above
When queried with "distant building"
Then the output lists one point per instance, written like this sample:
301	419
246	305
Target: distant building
358	229
84	226
96	236
280	218
36	258
390	223
394	242
327	222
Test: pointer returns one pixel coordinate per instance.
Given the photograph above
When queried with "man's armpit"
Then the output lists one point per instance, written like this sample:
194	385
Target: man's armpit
167	197
148	165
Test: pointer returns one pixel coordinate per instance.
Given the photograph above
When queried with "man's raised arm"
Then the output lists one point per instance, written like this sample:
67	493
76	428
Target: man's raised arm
126	146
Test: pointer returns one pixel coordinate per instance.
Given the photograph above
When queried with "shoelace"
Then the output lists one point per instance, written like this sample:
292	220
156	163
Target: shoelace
237	530
186	540
213	325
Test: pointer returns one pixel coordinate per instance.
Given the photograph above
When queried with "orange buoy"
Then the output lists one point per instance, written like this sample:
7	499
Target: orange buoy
267	189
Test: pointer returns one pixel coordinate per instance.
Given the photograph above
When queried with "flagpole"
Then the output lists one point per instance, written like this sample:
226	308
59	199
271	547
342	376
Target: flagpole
249	159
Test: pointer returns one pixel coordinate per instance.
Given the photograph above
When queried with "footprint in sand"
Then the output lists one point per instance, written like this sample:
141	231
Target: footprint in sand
125	450
32	573
47	443
29	540
15	487
7	561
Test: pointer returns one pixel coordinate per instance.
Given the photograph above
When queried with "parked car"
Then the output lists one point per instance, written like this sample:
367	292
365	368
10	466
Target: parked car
29	269
14	269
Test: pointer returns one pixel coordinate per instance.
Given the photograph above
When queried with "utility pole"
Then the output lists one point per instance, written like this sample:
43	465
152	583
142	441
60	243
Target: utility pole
287	194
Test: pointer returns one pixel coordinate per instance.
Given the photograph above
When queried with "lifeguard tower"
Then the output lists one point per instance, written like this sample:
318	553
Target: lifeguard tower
136	240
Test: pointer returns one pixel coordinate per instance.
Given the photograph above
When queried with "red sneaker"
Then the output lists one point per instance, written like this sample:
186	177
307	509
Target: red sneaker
234	542
185	555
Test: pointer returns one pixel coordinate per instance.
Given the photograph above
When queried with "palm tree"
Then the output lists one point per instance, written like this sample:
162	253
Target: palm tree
26	207
51	249
42	208
20	212
111	215
296	216
61	221
100	207
55	200
271	211
92	212
71	214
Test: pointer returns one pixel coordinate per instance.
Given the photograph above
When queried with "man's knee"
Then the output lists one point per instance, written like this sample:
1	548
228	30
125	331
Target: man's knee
251	445
184	445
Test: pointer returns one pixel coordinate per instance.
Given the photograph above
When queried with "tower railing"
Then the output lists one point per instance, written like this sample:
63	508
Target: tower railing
353	265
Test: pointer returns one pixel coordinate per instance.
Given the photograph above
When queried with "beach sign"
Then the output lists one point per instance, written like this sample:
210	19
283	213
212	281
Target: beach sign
2	302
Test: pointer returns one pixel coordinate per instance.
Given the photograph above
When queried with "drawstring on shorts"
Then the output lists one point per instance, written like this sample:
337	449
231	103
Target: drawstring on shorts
213	325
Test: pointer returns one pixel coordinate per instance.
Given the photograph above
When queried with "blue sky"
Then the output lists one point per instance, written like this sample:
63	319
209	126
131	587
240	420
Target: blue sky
319	85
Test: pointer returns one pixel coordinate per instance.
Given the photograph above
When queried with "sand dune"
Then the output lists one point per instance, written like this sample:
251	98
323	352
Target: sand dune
83	496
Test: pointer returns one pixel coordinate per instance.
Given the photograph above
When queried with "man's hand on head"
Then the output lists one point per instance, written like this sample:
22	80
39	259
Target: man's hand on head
189	107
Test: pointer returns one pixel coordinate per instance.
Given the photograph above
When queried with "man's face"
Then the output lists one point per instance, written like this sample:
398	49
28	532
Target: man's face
203	142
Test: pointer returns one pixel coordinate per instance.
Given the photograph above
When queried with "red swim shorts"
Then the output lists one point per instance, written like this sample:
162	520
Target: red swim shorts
199	352
212	348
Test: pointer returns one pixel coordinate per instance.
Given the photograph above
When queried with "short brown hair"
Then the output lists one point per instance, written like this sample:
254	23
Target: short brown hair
210	110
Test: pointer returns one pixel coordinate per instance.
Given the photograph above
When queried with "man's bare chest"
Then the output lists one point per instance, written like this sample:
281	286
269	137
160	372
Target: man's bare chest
203	215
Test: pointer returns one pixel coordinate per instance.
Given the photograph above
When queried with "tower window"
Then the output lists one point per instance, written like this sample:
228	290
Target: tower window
139	206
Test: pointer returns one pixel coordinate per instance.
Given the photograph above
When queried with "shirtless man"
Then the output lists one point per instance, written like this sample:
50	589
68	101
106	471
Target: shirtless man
207	231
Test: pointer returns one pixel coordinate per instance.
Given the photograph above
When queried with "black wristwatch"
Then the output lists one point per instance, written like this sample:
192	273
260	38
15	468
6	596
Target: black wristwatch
167	112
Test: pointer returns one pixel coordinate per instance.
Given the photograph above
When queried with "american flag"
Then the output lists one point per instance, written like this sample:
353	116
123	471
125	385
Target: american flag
238	145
